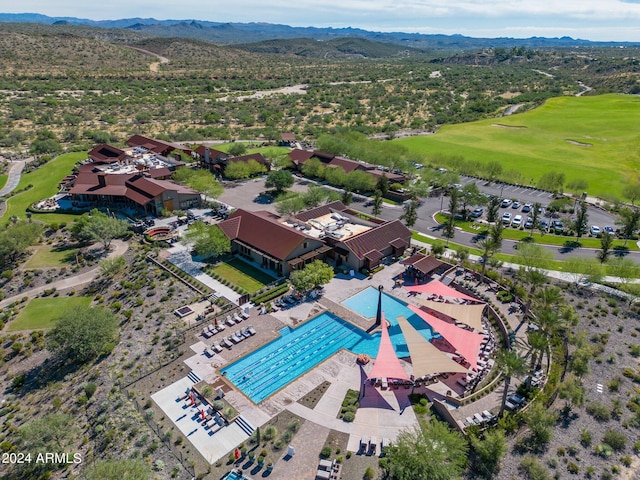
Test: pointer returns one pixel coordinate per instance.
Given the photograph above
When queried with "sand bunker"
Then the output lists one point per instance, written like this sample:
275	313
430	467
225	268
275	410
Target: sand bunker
501	125
579	144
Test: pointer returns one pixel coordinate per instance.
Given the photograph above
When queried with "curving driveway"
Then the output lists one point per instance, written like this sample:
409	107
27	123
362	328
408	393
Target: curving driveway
15	172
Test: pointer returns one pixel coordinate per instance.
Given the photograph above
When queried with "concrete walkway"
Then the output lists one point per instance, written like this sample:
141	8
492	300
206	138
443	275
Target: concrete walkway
69	282
15	172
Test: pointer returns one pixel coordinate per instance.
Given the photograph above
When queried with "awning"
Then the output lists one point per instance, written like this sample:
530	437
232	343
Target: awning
373	255
309	255
387	364
426	358
399	243
323	249
423	263
469	314
435	287
294	262
466	342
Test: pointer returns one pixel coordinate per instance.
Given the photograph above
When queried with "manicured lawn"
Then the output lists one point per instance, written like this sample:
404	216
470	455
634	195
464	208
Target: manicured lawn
242	274
589	138
44	312
3	180
45	184
45	257
266	151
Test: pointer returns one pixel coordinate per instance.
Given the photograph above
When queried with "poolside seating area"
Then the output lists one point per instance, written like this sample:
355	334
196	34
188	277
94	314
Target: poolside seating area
328	470
238	336
211	330
369	446
479	419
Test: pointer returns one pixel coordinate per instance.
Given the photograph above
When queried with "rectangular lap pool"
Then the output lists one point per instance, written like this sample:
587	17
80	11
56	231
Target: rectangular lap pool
273	366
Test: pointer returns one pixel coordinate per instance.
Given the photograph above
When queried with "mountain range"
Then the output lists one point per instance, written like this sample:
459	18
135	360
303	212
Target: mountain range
235	33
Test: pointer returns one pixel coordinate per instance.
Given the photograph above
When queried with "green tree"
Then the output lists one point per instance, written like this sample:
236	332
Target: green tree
510	364
346	197
489	451
552	181
201	180
493	207
377	203
313	168
624	269
383	185
237	170
410	214
237	149
279	179
535	217
449	229
433	452
488	247
470	194
207	240
313	275
572	391
606	244
582	217
15	238
493	169
359	181
533	256
291	205
577	186
121	469
111	267
629	220
631	192
83	333
100	227
540	421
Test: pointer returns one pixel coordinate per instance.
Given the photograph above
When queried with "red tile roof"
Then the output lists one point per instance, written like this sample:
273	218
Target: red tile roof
377	238
263	233
307	215
348	165
106	153
324	157
213	153
298	157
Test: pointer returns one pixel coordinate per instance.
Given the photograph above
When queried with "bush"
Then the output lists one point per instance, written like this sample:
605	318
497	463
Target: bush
349	416
369	473
599	411
615	440
325	452
89	389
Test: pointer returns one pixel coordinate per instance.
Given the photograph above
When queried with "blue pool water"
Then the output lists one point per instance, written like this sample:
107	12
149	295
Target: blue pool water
279	362
273	366
234	476
366	304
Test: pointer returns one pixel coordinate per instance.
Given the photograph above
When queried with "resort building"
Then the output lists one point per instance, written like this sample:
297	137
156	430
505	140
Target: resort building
331	232
216	161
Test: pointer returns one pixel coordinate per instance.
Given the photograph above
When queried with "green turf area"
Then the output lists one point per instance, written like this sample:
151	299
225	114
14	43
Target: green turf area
45	184
3	180
45	257
266	151
538	237
44	312
242	275
587	138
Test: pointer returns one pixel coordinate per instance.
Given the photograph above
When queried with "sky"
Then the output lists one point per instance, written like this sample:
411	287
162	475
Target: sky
597	20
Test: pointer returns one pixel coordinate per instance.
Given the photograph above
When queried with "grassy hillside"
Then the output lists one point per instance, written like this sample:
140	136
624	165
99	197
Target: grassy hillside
591	138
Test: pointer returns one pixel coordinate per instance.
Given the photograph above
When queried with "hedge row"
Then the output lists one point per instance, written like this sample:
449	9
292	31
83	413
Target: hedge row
271	294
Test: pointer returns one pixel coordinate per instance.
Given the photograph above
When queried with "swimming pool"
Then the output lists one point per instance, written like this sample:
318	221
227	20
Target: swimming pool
265	371
366	304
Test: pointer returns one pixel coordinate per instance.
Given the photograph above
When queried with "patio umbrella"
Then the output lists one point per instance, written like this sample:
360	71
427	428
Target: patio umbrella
237	454
202	414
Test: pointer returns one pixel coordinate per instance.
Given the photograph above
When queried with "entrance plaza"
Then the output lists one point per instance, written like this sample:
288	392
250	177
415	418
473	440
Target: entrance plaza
383	412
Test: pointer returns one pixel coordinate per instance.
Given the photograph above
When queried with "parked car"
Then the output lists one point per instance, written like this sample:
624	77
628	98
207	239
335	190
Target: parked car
609	229
594	230
557	226
477	213
544	224
515	205
506	202
506	218
526	208
517	221
529	223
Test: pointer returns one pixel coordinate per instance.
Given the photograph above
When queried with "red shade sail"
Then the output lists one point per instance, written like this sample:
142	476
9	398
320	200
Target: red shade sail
435	287
387	364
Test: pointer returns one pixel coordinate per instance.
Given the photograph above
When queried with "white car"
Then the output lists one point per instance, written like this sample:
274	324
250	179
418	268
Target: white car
506	202
517	221
594	230
506	218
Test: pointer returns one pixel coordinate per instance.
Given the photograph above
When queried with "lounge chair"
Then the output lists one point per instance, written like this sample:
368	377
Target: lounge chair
244	315
238	336
226	342
251	330
373	445
230	321
212	329
215	346
384	385
364	445
470	421
478	418
206	333
234	339
323	474
237	317
221	327
487	415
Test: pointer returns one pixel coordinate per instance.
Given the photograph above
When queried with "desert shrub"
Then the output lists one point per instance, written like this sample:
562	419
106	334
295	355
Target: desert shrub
90	388
615	440
599	411
325	452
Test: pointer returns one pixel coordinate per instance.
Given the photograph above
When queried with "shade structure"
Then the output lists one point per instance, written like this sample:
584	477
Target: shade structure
467	343
387	364
468	314
436	287
425	357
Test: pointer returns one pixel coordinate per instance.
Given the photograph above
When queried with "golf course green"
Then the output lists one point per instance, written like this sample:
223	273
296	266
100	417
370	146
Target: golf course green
592	138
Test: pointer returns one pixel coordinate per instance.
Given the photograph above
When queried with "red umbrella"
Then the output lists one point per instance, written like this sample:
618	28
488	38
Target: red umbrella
215	321
191	398
237	454
202	414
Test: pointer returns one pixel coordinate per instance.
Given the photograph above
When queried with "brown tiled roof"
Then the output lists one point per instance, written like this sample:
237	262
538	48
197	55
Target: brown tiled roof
263	233
146	185
159	172
399	243
213	153
424	263
137	197
348	165
298	157
373	255
324	157
393	177
106	153
377	238
307	215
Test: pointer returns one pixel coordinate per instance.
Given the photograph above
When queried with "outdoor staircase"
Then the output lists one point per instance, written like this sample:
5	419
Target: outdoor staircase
193	377
244	425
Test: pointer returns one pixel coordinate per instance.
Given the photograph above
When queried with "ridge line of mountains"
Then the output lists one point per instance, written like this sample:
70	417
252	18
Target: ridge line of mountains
236	33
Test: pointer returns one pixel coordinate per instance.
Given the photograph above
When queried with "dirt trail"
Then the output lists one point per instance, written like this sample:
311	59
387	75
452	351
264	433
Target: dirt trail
155	66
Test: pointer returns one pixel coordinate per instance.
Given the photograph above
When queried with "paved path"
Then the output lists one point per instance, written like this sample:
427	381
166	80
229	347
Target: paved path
69	282
14	177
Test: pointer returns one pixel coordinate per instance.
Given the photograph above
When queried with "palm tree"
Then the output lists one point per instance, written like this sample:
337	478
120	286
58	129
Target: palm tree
539	344
533	278
488	247
511	364
549	297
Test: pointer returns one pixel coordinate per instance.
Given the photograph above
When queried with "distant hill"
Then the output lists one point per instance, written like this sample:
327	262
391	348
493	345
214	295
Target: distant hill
220	32
334	48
